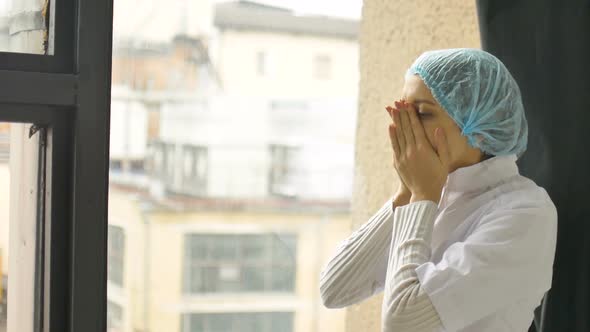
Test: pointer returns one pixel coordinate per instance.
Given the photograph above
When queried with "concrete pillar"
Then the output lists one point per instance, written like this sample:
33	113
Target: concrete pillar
393	34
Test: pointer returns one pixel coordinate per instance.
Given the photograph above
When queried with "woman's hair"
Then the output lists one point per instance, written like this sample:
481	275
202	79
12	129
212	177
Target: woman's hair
481	96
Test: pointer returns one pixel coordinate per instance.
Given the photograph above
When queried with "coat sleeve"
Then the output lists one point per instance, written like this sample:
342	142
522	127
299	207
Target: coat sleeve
406	306
357	269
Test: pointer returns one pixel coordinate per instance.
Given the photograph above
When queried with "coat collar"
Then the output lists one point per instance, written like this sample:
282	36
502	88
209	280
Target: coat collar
482	175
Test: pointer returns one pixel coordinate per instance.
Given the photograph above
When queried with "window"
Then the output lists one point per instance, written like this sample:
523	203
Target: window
218	263
116	165
116	239
194	169
261	64
282	180
239	322
59	108
163	161
137	166
322	67
114	317
181	168
242	173
24	21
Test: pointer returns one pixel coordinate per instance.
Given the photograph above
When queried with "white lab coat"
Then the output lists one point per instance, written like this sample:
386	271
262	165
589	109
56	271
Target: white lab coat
493	248
493	245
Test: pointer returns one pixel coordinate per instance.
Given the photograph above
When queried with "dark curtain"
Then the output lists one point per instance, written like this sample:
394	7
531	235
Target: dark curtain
546	46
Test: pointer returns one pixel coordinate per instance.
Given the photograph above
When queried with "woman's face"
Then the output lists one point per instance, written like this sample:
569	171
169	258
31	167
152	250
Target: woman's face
433	116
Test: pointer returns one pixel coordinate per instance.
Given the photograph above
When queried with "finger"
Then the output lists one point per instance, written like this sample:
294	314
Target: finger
407	127
442	147
389	109
417	126
393	139
398	130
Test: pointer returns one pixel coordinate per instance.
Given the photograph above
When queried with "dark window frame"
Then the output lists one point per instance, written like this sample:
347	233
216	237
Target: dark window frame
68	94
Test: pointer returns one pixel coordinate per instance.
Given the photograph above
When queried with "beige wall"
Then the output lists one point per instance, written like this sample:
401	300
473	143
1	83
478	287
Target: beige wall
290	59
393	34
124	212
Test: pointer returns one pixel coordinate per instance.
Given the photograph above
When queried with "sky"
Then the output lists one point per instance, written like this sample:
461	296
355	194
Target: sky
342	8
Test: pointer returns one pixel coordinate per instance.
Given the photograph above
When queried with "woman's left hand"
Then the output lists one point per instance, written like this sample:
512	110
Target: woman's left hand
422	168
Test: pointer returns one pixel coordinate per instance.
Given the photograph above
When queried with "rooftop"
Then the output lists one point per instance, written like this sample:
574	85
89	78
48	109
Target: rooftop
249	15
182	203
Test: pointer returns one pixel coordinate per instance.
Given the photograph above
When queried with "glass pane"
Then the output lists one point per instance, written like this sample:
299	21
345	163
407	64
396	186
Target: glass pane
19	164
224	248
221	323
210	277
254	248
198	246
196	324
253	278
246	181
251	323
116	252
283	278
284	249
23	26
114	316
239	322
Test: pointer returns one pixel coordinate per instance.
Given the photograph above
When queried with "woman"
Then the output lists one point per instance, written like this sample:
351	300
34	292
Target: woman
466	243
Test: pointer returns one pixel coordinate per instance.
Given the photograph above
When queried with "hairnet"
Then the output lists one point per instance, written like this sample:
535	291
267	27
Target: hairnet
481	96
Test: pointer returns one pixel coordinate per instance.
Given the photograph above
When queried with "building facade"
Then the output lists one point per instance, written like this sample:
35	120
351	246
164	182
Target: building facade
231	179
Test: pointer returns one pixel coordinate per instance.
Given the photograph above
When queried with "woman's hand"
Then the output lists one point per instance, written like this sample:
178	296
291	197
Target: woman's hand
422	169
402	195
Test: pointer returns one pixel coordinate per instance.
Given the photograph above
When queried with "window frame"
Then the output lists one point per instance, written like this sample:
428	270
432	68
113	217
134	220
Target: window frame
68	94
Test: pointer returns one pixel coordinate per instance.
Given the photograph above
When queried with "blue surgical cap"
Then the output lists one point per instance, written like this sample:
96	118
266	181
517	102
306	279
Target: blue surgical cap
481	96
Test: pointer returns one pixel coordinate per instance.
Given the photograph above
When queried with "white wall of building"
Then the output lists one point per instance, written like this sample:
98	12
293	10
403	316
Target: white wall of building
129	120
158	21
238	132
290	62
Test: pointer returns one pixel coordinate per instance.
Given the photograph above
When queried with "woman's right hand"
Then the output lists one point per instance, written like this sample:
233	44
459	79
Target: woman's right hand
402	195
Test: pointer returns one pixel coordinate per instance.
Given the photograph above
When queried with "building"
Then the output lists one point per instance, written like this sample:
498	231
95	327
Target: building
179	263
282	54
231	183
